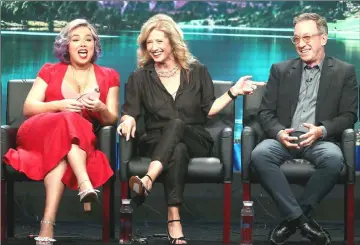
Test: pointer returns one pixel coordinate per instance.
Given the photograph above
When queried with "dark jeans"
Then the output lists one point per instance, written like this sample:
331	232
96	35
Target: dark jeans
327	158
174	147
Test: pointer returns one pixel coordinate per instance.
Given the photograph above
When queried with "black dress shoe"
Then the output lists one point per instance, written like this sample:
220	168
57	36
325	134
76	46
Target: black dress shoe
319	227
316	236
281	233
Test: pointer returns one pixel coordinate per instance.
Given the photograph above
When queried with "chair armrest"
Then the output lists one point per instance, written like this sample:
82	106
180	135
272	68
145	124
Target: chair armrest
347	146
227	152
126	151
106	137
8	140
248	143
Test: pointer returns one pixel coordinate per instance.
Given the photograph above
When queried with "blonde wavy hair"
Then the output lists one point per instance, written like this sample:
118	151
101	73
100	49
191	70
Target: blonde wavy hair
165	23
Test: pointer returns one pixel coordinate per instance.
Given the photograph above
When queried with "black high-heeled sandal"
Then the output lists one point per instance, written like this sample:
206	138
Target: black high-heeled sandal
137	185
173	240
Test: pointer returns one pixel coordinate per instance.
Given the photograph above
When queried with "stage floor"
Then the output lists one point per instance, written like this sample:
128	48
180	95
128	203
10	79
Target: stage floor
199	233
201	213
155	242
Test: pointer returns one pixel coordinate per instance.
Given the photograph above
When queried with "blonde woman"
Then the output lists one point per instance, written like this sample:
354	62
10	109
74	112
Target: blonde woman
177	94
57	143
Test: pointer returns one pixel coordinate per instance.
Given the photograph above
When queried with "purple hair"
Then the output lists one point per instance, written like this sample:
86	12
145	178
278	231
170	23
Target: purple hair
61	44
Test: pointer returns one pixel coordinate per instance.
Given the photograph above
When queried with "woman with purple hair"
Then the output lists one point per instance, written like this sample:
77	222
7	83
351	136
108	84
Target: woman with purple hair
57	143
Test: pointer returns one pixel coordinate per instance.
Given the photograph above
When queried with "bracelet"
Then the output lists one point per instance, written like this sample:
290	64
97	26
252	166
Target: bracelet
231	95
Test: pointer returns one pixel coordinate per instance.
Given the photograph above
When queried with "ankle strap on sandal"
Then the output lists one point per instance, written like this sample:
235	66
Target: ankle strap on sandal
149	177
85	192
82	182
174	220
47	222
44	240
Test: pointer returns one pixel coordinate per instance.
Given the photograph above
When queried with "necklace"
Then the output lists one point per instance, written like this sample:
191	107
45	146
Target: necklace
77	82
167	73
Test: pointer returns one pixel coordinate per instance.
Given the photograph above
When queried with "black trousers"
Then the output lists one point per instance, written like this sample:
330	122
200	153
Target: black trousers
173	147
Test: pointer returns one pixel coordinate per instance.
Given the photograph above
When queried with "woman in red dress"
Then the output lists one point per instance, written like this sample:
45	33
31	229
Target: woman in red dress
57	141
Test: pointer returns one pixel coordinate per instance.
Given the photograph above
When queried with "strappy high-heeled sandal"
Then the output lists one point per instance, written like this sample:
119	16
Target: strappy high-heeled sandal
171	239
88	195
45	240
137	185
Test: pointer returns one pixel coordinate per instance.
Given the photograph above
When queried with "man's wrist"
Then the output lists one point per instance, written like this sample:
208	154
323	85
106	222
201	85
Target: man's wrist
323	132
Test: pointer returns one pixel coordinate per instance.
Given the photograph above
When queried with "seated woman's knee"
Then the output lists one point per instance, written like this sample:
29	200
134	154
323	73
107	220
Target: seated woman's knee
175	123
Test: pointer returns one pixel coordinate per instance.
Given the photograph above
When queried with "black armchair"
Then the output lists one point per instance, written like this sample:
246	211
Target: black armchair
215	169
106	138
297	171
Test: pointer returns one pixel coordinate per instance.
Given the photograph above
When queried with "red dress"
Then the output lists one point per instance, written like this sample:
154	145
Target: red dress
45	139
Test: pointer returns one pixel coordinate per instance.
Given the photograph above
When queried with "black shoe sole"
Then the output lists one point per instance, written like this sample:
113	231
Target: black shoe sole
317	240
279	243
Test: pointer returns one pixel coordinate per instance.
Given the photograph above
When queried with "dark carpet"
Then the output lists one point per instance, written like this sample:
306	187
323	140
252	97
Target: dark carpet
200	233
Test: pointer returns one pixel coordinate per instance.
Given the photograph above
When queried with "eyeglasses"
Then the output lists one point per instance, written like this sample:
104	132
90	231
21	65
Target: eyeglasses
306	39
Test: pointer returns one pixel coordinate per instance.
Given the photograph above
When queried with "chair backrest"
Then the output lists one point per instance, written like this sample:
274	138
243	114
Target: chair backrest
226	118
228	113
17	91
251	106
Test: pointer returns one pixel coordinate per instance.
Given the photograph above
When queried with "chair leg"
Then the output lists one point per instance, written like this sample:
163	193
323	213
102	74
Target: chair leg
227	213
125	194
3	212
246	191
112	209
10	203
106	212
124	190
349	235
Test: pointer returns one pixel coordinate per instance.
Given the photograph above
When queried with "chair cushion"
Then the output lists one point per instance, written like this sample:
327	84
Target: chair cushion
11	174
298	171
200	170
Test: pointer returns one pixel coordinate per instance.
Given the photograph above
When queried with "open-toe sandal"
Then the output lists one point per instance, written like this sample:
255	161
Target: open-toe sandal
88	195
171	239
45	240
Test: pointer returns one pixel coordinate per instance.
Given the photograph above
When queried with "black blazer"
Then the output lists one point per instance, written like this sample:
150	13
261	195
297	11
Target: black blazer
337	100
